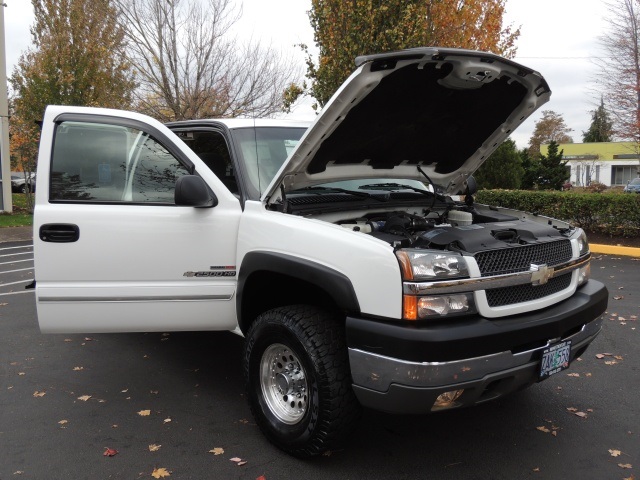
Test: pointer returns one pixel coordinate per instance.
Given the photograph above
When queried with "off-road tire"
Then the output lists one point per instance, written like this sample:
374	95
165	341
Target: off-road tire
312	341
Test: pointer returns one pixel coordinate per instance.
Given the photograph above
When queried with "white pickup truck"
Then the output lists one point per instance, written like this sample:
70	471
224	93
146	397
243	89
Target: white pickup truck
342	251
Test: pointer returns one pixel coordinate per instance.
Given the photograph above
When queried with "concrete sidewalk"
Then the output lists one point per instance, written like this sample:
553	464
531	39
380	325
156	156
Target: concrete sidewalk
23	234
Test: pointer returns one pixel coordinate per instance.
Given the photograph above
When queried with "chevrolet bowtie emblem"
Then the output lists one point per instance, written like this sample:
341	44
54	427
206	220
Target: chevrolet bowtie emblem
540	274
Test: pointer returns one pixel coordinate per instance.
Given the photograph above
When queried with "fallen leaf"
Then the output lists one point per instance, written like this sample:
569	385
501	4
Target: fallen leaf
124	391
587	374
39	394
110	452
154	448
618	357
580	414
573	374
154	392
244	421
618	297
217	451
21	373
68	340
625	465
631	477
572	409
88	339
615	453
235	459
543	429
537	469
18	472
611	362
84	398
75	369
554	433
166	420
160	473
144	413
602	355
261	477
241	463
63	422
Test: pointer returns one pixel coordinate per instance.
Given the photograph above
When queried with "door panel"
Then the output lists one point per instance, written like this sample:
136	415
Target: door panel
139	262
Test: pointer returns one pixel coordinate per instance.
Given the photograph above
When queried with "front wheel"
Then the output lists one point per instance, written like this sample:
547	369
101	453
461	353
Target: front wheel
298	380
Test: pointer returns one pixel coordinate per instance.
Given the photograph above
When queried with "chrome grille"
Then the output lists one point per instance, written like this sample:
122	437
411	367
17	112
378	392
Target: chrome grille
499	297
520	258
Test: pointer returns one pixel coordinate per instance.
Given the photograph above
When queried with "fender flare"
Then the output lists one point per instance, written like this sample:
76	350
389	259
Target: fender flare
335	283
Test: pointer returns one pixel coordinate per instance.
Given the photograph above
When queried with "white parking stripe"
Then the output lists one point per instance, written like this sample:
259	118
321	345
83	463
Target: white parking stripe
18	270
17	293
16	254
14	248
16	283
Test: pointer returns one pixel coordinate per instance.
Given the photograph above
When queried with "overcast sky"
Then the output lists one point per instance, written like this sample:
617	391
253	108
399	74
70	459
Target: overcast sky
558	38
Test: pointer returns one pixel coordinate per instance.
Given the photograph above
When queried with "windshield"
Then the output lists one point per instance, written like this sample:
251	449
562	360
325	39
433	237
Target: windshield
635	181
262	151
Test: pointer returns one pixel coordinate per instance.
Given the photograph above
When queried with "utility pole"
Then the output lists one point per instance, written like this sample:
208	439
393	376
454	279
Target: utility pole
5	159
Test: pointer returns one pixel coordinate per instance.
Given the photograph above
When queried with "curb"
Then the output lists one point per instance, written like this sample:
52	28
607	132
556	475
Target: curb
614	250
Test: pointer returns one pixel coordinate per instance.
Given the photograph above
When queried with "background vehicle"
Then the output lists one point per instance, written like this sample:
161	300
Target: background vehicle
353	283
21	182
633	186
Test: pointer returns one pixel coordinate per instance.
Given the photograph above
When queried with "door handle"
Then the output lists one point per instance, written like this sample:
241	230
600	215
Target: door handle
59	232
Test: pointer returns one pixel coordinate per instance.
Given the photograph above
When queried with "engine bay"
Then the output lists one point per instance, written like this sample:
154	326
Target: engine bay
466	230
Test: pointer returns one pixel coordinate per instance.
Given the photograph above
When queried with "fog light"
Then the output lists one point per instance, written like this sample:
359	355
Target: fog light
447	400
583	274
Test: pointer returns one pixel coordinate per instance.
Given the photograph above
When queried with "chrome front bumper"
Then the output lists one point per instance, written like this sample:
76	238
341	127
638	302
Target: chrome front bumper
400	386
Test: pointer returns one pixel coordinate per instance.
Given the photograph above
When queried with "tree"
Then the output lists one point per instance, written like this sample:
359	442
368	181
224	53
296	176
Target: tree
344	30
553	172
503	168
550	128
601	128
77	58
531	168
619	69
188	67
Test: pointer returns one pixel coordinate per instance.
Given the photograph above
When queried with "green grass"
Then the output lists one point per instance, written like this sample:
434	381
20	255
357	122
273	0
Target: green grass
21	216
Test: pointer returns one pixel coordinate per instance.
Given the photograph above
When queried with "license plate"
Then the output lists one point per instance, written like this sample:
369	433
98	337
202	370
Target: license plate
555	359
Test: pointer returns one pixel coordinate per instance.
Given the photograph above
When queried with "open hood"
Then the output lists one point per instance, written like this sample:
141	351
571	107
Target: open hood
440	110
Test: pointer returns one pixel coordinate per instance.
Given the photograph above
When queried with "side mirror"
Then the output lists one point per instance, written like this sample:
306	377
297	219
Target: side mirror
192	191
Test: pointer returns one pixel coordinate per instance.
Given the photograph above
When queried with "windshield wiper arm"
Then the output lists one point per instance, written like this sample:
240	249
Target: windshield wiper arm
349	192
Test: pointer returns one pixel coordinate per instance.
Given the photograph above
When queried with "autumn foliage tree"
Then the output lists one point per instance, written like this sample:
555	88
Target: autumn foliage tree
619	69
345	29
77	58
550	128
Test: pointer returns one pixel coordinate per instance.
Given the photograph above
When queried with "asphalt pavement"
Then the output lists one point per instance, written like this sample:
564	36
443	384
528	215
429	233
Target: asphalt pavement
168	401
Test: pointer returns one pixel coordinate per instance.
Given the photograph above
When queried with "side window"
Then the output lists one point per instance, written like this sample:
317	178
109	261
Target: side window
105	163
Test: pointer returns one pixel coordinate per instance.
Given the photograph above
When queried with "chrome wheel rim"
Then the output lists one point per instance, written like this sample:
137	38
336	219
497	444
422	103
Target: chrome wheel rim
284	384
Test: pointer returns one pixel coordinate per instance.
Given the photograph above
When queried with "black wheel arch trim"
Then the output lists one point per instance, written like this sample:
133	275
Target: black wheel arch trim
335	283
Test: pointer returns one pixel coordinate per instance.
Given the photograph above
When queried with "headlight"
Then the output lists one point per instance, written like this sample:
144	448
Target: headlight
583	244
429	265
583	274
437	306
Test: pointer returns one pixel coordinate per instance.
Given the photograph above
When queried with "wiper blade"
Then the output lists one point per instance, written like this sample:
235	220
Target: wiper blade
386	186
349	192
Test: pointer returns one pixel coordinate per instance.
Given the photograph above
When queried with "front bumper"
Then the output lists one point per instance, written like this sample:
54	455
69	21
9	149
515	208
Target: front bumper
403	369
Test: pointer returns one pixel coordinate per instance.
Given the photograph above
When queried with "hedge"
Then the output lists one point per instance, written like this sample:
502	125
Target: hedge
608	213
